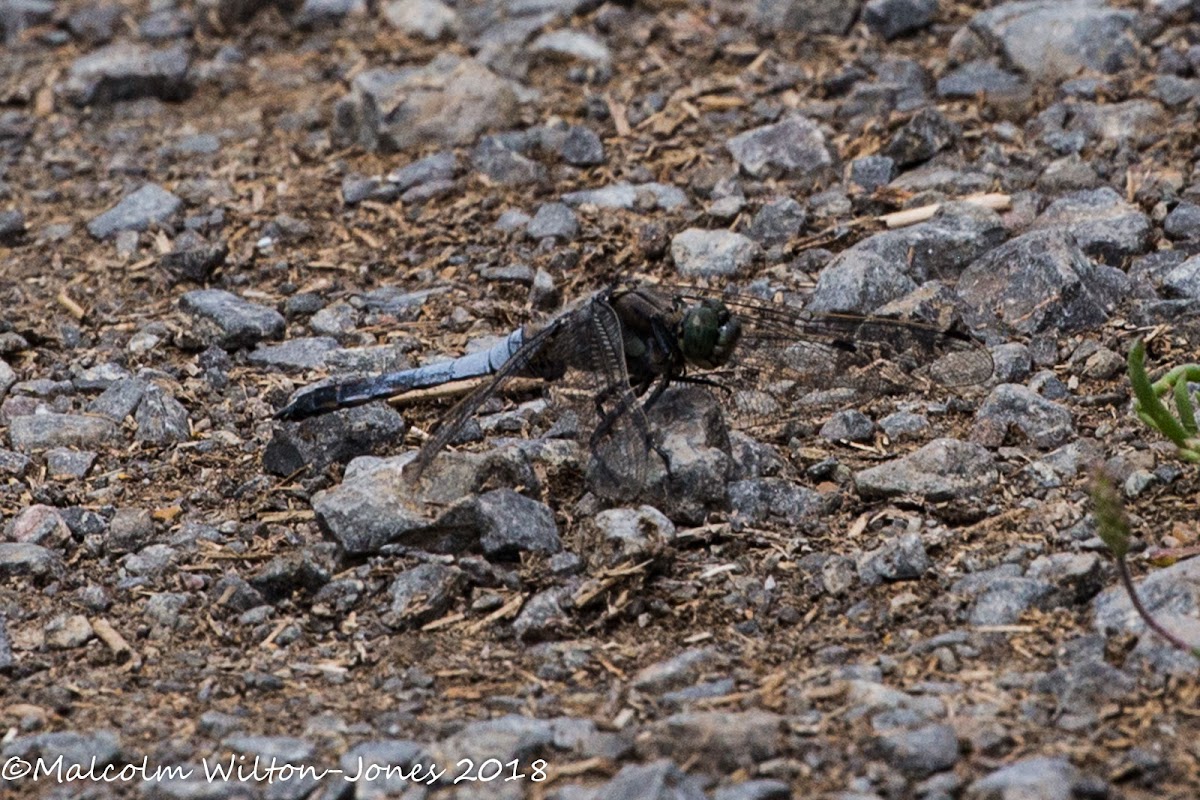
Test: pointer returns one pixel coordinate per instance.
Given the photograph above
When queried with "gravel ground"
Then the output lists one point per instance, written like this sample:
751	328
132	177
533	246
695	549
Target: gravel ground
206	206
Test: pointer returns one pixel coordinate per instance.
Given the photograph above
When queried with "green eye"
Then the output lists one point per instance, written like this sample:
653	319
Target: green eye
709	334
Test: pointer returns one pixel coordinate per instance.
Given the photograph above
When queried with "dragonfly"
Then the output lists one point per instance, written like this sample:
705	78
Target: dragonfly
623	347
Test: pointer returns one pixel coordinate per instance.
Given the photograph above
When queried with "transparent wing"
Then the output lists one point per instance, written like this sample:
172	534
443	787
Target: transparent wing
619	438
530	360
785	353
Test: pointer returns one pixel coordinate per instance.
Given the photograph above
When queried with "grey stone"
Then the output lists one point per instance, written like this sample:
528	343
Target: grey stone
544	616
18	559
1172	595
958	234
294	354
449	102
1102	223
125	71
1001	598
676	672
712	253
921	752
976	78
193	258
900	558
1068	174
94	23
553	221
1183	222
944	469
1182	280
859	281
318	13
429	19
849	426
631	533
151	204
507	523
43	431
337	320
903	425
19	15
794	148
7	378
871	172
505	166
1052	40
777	222
642	196
695	440
67	463
119	400
1011	362
12	226
166	24
437	167
356	189
38	524
1031	778
922	137
425	592
224	319
6	654
1040	281
757	500
1175	91
1133	121
80	749
1010	405
582	147
725	740
161	419
806	16
892	18
13	464
368	509
513	219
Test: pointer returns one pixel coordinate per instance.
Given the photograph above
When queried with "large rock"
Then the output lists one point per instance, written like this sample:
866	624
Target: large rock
888	265
42	431
1010	405
1104	226
1052	40
447	102
125	71
1040	281
1171	595
794	148
229	321
944	469
806	16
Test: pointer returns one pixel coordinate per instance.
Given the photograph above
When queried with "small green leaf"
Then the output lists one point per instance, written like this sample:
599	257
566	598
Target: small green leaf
1146	401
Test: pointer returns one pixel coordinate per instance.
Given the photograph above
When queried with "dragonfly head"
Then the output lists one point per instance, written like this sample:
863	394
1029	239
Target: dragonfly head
709	334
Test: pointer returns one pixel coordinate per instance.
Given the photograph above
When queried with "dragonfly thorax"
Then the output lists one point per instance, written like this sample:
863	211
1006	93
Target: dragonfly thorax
708	334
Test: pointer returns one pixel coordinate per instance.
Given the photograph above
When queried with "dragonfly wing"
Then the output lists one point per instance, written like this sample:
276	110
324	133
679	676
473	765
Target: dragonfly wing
615	426
786	351
528	361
